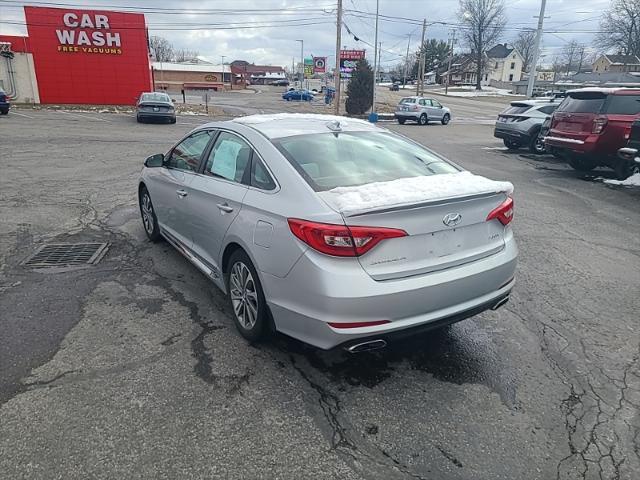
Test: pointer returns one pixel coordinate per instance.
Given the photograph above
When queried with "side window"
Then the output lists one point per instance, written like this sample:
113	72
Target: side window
186	155
422	102
260	177
435	103
548	110
425	101
624	105
229	158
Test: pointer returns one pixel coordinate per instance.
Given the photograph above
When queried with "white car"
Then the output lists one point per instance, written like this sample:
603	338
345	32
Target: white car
422	110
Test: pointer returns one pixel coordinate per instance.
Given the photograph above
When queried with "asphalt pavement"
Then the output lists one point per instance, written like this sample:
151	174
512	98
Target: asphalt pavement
132	368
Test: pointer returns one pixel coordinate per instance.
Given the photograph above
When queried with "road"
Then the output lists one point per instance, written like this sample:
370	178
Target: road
132	368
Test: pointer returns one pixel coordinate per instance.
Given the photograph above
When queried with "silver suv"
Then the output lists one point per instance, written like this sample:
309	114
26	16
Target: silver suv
422	110
519	124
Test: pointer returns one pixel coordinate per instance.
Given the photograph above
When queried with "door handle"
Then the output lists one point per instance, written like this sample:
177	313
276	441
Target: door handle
181	193
224	207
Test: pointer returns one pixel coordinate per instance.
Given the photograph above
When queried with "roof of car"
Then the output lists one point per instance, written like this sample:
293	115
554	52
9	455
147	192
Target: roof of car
288	124
536	102
606	91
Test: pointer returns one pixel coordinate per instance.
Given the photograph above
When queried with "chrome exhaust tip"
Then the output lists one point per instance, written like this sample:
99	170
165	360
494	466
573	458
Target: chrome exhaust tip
500	303
367	346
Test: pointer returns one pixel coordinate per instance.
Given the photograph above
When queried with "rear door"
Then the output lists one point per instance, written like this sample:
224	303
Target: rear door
218	194
438	111
574	117
621	110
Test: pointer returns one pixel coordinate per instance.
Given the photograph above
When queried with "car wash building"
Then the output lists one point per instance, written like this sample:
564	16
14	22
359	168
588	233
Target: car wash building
73	56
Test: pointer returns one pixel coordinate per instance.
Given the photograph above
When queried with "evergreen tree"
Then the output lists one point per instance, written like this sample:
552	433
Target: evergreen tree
360	89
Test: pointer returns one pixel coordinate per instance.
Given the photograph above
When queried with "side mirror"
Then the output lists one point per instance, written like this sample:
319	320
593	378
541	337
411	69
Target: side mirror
154	161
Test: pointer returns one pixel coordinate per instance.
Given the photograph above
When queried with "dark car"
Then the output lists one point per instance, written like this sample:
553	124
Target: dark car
4	103
629	156
394	87
280	83
305	95
155	106
591	124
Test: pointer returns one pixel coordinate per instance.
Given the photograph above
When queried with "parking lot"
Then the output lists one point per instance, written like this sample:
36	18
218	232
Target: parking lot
132	368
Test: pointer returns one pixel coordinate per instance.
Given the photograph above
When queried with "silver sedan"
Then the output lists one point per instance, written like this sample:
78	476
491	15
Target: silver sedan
331	230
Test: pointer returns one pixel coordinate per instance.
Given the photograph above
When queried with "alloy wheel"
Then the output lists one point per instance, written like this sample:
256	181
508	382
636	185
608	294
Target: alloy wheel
244	296
147	213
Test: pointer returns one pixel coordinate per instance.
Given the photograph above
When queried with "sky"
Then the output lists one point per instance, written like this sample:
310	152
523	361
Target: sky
265	31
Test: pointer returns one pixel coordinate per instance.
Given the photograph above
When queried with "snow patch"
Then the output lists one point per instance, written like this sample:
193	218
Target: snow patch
632	181
407	191
472	92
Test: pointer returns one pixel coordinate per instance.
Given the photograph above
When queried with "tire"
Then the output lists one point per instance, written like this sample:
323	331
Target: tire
4	112
246	297
148	215
580	164
536	145
423	120
138	119
401	121
510	144
173	120
624	169
446	118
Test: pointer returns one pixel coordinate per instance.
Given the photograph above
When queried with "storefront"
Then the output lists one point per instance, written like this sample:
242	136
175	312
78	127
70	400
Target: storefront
73	56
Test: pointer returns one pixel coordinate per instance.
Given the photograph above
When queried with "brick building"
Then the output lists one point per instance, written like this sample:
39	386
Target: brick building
175	77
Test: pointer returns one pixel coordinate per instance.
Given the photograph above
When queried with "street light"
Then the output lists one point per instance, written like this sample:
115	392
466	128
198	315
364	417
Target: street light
301	60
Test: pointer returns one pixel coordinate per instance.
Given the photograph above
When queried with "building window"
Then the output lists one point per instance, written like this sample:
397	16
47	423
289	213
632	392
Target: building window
486	76
511	77
496	64
513	65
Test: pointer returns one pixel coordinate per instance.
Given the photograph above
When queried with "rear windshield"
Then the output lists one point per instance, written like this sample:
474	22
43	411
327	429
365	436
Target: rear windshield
155	97
583	102
624	105
328	160
516	109
408	100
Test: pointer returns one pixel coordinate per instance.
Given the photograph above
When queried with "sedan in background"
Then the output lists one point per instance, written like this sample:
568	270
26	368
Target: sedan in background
422	110
331	230
280	83
300	95
155	106
4	103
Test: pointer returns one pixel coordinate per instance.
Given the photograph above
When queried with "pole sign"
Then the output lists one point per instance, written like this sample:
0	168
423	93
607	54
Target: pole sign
308	67
319	64
348	61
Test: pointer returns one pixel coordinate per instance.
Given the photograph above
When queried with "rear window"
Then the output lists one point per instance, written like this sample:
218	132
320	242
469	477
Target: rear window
329	160
155	97
408	100
516	109
623	105
583	102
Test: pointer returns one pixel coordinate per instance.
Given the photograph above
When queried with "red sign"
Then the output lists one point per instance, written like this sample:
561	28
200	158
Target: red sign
319	64
351	54
89	56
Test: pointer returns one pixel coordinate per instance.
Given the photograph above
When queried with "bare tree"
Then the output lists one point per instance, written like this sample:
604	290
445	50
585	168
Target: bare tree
162	49
620	27
184	55
484	22
573	56
525	45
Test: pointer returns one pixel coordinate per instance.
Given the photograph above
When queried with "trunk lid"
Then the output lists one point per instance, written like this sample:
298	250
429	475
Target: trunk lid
431	244
575	115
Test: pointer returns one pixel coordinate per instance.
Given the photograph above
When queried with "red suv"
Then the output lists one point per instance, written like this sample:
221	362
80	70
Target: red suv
591	124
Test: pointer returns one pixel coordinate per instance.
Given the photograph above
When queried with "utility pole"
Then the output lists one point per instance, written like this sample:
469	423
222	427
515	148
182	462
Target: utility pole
453	41
223	57
406	63
375	60
420	83
336	73
536	51
301	61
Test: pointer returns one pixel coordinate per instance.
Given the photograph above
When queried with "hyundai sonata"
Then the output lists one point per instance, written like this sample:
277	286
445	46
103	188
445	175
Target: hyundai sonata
331	230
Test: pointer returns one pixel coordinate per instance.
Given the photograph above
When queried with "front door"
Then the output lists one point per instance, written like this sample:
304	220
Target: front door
170	187
217	195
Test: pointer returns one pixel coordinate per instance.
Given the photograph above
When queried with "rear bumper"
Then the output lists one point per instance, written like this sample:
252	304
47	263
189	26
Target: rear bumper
407	115
513	135
586	146
159	115
321	289
5	106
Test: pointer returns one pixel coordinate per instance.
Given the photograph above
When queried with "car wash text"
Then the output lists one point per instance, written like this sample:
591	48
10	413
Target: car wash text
97	40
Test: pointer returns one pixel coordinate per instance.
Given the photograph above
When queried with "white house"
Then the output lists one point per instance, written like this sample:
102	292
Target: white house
504	64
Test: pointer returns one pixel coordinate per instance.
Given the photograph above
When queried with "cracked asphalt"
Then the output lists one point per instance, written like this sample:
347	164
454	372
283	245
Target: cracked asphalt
132	368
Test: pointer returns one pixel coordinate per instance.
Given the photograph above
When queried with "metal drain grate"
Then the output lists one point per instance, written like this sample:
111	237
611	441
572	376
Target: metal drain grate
67	255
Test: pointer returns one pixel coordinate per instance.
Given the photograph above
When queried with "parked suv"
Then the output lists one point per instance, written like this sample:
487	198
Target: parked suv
422	110
591	124
629	156
519	124
4	103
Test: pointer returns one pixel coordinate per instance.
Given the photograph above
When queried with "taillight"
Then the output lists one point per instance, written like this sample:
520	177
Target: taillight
598	124
415	108
503	212
340	240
